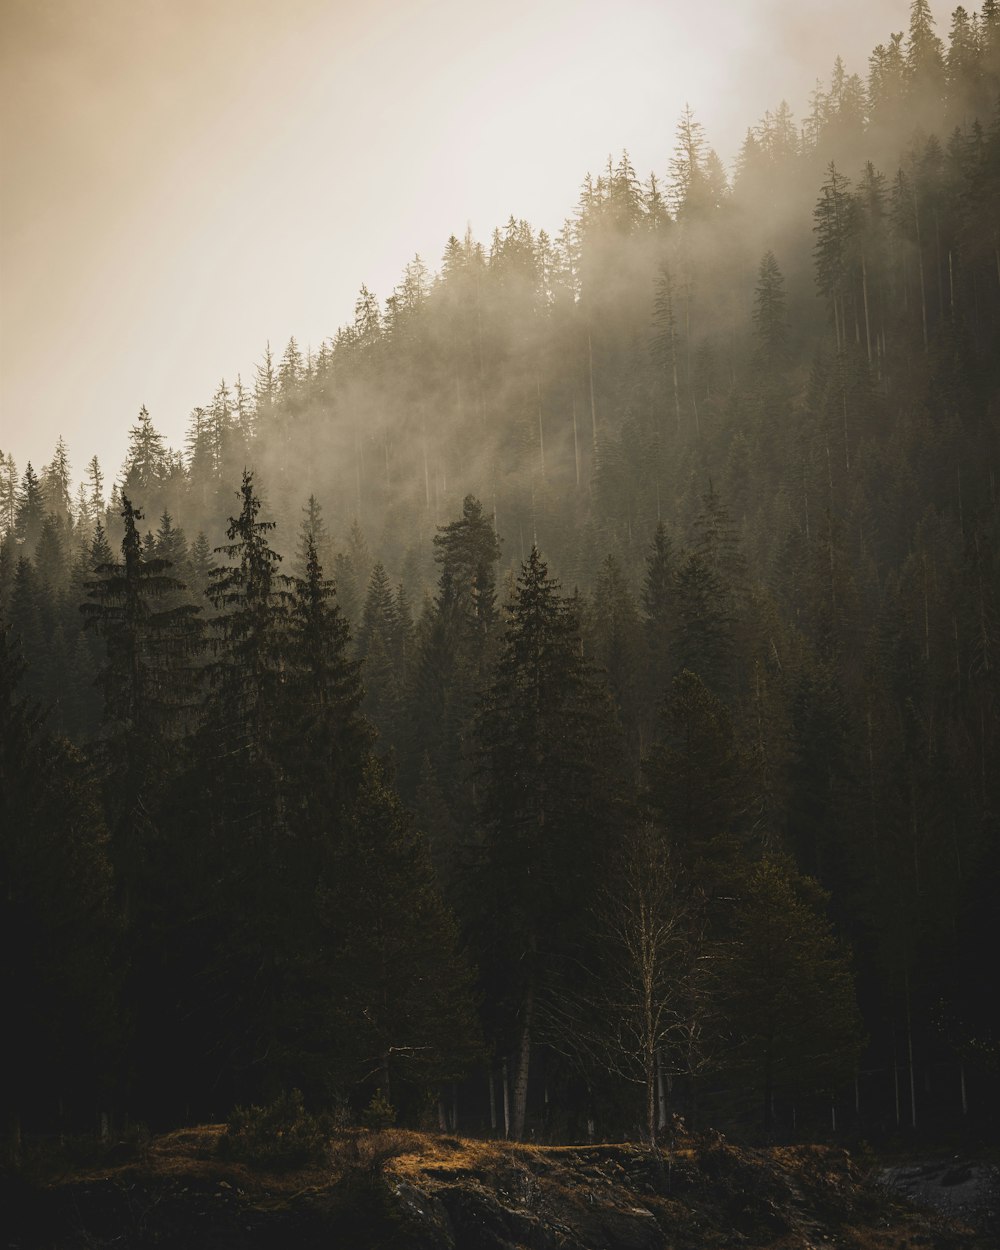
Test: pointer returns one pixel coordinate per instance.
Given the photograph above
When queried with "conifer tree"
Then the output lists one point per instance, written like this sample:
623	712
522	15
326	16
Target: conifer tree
695	785
322	694
55	920
250	597
835	217
616	637
56	482
407	1011
95	489
146	461
29	514
313	527
658	606
770	315
791	995
548	806
8	493
149	641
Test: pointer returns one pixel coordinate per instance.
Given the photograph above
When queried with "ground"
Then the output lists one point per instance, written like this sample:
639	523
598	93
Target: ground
416	1191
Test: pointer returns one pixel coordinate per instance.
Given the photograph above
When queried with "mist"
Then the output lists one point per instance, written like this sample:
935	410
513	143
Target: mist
186	183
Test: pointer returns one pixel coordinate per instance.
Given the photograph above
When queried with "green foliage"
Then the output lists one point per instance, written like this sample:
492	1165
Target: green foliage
791	1004
379	1113
276	1137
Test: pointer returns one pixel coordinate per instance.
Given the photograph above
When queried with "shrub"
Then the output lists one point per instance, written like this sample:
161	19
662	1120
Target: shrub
379	1113
279	1136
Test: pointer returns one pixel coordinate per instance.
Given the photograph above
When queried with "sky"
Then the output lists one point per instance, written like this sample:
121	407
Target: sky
183	181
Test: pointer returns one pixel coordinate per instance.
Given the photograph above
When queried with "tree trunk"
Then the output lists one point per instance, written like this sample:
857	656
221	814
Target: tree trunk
576	446
593	406
768	1091
909	1050
505	1077
523	1064
920	266
650	1065
541	432
661	1094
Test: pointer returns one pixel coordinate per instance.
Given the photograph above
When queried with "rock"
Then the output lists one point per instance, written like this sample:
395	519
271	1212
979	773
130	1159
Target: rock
420	1192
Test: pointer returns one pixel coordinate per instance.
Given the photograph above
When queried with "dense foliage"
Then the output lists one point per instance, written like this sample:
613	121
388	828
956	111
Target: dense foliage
645	576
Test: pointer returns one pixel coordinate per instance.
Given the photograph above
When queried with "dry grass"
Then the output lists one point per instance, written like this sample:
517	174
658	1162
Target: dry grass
815	1189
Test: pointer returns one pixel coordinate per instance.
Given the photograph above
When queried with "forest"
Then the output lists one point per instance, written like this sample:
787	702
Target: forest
565	699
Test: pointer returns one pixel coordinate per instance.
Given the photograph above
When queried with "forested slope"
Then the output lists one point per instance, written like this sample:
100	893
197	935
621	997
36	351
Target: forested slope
622	714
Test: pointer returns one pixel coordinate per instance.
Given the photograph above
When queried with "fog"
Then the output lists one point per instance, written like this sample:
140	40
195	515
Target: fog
183	182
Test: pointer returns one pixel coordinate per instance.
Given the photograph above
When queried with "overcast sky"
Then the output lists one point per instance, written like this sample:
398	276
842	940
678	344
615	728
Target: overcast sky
183	180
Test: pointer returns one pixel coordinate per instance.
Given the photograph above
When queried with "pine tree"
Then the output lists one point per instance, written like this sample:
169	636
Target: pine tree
687	167
615	634
327	740
770	317
407	1020
467	551
454	649
55	913
313	528
835	218
146	461
201	564
925	70
792	1006
170	544
8	494
250	597
658	607
150	639
548	806
56	482
95	482
695	786
30	508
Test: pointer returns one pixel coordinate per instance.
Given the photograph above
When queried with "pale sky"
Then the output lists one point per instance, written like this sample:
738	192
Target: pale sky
182	180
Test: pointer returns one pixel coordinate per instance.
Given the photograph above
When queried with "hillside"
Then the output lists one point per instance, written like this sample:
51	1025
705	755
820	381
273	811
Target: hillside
566	696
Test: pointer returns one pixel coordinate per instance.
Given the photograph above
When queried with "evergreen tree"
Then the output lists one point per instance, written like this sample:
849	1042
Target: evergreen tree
792	1006
250	597
548	806
325	733
835	218
55	914
146	461
29	514
695	785
8	494
616	637
149	640
313	528
925	70
407	1010
95	490
770	315
658	606
56	482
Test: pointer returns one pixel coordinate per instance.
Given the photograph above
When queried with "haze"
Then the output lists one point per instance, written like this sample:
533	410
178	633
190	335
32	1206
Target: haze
183	181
